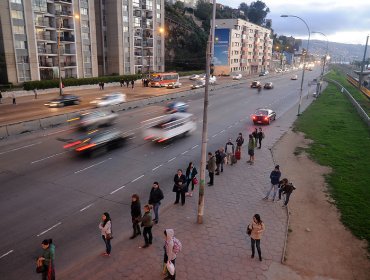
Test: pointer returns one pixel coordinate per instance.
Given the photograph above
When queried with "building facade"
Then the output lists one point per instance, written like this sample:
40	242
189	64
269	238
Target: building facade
40	37
137	45
241	46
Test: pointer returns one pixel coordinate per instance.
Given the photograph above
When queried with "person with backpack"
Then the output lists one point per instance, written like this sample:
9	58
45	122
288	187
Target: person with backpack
45	263
260	136
135	215
190	174
229	150
275	179
255	230
147	224
251	146
155	197
105	227
172	246
239	142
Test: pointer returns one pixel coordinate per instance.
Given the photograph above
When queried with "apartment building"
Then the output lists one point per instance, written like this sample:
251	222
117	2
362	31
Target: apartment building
137	45
241	46
39	37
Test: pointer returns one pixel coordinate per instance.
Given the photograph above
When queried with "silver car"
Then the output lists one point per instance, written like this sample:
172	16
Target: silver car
96	119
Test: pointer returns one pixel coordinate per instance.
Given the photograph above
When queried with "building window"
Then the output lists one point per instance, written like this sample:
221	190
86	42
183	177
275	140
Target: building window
88	71
18	29
84	23
85	36
158	15
83	11
125	19
125	29
17	14
20	45
87	59
86	48
16	1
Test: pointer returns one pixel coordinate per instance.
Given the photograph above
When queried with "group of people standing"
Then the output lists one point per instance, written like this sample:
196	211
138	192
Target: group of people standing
132	82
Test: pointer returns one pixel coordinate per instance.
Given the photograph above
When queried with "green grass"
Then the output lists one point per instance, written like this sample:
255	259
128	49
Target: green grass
341	141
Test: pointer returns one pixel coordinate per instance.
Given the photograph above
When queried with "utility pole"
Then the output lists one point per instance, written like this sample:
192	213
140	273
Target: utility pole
59	62
209	57
363	64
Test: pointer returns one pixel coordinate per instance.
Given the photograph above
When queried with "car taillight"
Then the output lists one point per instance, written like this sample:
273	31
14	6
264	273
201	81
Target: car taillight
149	137
162	140
254	117
266	118
71	144
85	147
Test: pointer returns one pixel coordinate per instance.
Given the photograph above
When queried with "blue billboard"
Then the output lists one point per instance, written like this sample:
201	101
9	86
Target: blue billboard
221	47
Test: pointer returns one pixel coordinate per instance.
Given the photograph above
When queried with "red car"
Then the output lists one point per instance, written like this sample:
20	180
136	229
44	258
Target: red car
263	116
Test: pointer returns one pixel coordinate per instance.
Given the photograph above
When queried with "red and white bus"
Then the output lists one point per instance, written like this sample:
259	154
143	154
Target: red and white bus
163	79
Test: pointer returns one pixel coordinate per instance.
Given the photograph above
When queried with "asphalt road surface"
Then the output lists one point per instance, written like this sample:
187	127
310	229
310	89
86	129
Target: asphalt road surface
46	192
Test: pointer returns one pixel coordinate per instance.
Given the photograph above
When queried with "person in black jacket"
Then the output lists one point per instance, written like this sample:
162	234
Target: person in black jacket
155	197
191	172
135	215
180	187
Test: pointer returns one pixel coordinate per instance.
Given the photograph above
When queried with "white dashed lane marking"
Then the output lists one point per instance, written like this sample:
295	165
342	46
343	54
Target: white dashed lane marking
183	153
171	159
45	231
155	168
23	147
194	147
79	171
138	178
88	206
7	253
36	161
116	190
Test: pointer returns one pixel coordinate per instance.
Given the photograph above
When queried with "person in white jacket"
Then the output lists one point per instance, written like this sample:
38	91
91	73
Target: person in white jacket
105	227
169	253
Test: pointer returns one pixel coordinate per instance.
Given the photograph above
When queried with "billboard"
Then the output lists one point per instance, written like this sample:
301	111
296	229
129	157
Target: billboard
221	47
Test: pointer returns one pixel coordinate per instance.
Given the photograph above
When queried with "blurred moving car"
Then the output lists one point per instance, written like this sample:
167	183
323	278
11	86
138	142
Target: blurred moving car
263	116
255	84
294	77
98	142
110	99
194	77
174	107
96	119
264	73
237	76
198	84
268	85
163	128
64	100
174	85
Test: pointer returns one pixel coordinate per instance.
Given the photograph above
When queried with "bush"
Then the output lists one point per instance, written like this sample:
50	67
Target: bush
44	84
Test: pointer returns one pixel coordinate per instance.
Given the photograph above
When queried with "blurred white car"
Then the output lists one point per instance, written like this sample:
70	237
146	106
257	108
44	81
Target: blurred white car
194	77
294	77
237	76
198	84
110	99
96	118
174	85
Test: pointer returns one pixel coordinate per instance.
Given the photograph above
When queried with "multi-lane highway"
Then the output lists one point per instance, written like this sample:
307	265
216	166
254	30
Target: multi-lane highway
48	193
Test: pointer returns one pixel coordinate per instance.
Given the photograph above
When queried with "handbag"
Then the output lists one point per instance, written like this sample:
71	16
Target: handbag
195	181
109	236
249	230
170	267
40	268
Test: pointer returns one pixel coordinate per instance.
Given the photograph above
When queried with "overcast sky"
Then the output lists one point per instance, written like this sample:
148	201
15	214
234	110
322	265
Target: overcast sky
344	21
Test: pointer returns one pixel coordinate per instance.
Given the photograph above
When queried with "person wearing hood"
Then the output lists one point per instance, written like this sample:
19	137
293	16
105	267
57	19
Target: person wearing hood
169	254
47	260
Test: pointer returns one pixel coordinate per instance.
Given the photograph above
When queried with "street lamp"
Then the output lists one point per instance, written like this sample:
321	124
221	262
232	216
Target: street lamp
304	64
326	53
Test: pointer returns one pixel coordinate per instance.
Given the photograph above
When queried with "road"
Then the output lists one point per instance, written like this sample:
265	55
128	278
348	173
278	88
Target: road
48	193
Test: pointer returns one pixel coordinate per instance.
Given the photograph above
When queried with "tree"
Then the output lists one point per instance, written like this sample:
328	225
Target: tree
244	7
257	12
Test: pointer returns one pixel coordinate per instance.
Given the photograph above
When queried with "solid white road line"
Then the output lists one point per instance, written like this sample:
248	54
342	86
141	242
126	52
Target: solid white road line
45	231
4	255
23	147
194	147
183	153
88	206
155	168
171	159
48	157
116	190
138	178
92	165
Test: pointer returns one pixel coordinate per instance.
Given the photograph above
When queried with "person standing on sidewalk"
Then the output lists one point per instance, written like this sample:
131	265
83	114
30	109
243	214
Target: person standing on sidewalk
135	215
275	179
286	189
14	100
256	228
155	197
132	84
1	97
211	166
229	150
147	224
255	135
260	136
179	187
105	227
239	142
251	146
170	251
127	83
46	261
190	173
35	92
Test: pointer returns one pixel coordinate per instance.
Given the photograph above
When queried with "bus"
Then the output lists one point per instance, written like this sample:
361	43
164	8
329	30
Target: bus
163	79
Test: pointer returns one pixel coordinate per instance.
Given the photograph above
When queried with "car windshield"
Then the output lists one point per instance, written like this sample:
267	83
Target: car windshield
262	112
156	79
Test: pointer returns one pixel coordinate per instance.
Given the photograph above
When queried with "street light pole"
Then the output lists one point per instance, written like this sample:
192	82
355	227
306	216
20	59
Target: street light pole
209	57
326	53
59	62
363	64
304	64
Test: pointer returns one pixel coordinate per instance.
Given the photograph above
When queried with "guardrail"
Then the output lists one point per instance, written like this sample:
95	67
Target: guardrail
354	82
357	106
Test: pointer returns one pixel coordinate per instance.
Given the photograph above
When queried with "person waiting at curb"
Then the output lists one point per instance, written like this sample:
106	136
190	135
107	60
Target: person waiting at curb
229	150
211	166
255	230
155	197
239	142
275	179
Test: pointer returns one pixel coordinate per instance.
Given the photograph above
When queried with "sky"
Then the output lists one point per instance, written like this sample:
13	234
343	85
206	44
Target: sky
343	21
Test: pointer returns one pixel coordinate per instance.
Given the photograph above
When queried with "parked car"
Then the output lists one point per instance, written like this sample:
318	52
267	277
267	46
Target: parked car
237	76
174	85
194	77
96	119
264	73
255	84
198	84
268	85
174	107
64	100
263	116
294	77
110	99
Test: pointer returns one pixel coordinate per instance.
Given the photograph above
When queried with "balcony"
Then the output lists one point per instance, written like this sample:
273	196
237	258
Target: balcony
64	13
43	51
45	37
67	38
68	2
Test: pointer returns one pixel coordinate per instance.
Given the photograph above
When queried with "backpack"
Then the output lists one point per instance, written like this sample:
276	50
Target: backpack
177	246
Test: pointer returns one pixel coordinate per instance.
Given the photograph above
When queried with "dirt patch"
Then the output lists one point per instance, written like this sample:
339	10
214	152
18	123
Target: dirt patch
319	246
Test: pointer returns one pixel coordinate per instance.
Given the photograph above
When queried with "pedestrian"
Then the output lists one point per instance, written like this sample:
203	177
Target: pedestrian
172	246
135	215
239	142
46	262
1	97
229	150
155	197
260	136
255	230
287	189
190	173
35	92
127	83
282	184
147	224
142	82
220	157
105	227
14	101
121	82
275	179
132	83
102	85
255	135
211	166
251	146
179	187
